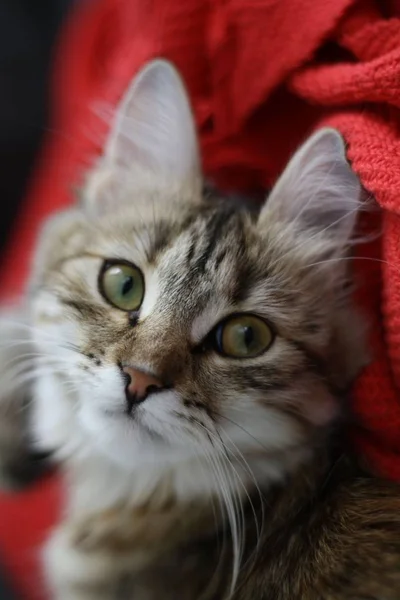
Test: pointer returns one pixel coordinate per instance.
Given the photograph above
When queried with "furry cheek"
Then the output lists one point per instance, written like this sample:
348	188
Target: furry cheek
103	388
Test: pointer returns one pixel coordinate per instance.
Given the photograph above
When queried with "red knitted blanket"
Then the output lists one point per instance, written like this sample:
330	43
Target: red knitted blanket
261	74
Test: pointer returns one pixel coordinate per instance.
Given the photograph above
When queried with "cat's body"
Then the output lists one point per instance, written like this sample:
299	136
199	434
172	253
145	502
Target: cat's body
187	360
328	534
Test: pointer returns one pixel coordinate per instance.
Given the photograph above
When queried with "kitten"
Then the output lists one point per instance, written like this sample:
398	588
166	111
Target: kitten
186	361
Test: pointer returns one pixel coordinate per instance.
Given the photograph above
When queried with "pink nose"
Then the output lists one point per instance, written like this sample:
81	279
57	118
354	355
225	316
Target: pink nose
139	385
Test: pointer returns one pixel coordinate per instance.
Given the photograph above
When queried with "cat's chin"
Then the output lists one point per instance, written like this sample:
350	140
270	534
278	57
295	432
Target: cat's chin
128	439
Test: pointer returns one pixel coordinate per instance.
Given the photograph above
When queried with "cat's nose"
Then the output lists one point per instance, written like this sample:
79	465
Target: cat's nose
139	385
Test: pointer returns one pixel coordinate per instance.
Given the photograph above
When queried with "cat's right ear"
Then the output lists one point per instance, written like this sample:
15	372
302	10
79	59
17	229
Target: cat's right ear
152	138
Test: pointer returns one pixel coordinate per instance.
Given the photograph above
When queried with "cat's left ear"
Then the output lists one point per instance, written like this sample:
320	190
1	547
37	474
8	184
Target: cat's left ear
153	136
318	192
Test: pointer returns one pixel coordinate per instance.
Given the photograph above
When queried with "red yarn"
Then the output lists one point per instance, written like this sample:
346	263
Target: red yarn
261	75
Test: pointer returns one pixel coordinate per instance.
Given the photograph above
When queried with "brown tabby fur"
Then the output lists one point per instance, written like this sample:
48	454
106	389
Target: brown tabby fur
330	533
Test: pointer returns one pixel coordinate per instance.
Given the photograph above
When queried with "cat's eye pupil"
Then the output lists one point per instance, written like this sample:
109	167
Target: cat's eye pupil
127	286
248	335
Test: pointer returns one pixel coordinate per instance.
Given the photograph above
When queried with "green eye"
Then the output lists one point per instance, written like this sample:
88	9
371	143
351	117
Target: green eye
122	285
243	336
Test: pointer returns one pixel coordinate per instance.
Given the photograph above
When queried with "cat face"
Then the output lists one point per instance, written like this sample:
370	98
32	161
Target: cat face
179	326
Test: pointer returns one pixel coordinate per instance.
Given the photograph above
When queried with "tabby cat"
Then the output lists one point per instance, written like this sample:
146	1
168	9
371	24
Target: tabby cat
186	362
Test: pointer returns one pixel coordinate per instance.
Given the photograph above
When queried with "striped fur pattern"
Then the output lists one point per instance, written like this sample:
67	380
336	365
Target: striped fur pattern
197	493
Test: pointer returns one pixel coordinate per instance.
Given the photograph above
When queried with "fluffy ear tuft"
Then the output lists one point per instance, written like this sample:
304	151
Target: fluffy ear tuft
318	191
153	136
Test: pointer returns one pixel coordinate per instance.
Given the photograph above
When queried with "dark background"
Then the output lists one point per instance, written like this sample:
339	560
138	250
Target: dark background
28	30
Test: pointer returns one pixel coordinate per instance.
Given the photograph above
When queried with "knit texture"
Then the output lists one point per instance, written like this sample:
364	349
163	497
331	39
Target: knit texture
262	75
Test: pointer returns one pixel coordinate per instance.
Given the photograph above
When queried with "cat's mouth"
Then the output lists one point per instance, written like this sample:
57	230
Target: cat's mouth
135	421
121	413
